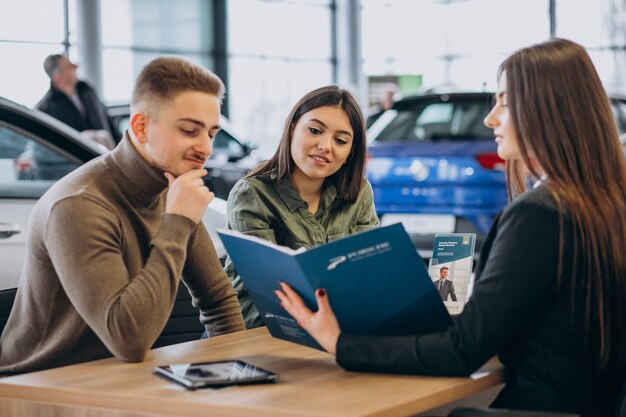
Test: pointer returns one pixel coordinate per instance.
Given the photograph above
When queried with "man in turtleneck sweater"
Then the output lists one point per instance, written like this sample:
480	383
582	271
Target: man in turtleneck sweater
109	242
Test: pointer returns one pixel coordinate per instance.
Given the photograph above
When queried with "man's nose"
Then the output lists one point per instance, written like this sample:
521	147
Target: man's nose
205	146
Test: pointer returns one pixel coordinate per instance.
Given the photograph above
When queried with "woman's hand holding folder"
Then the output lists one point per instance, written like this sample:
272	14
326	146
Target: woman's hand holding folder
322	325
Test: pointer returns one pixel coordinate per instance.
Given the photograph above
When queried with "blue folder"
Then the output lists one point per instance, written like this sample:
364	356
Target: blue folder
376	282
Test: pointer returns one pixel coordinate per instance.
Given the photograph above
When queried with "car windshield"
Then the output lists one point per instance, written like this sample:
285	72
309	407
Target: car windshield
445	118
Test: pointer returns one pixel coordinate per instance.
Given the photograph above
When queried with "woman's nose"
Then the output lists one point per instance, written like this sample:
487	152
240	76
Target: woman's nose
324	142
490	120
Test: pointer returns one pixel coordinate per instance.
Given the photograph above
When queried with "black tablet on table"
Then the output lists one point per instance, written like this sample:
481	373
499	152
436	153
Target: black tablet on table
215	374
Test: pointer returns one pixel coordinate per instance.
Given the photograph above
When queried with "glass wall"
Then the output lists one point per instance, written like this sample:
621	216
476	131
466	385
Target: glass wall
133	33
599	25
25	46
137	31
462	42
278	51
448	42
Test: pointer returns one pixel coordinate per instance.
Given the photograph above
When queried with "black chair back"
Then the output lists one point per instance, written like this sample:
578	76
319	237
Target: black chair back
7	298
621	404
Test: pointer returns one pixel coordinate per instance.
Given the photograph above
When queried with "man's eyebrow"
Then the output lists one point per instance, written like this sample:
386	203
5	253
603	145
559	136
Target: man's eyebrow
345	132
198	122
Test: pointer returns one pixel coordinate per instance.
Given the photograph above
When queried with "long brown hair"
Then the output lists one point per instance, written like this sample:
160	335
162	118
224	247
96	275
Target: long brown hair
562	116
349	178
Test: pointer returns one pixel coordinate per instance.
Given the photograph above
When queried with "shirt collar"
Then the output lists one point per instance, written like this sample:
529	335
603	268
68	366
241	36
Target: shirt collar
288	193
329	195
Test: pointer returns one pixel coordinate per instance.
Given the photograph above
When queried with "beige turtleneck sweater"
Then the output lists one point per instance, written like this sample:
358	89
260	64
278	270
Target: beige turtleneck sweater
104	263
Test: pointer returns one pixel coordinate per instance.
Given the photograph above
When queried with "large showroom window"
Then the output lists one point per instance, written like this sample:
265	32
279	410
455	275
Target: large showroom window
599	25
136	31
30	30
278	51
448	42
460	43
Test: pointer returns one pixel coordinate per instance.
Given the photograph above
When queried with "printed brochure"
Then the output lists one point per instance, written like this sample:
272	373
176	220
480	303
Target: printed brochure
450	268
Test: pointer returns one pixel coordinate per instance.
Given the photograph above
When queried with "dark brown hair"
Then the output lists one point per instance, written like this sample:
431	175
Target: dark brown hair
563	118
349	178
167	76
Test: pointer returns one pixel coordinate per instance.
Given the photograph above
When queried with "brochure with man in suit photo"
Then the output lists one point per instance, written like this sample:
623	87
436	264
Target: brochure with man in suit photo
450	269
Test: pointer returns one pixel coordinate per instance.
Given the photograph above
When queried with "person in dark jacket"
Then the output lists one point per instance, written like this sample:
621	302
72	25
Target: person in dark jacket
75	103
551	282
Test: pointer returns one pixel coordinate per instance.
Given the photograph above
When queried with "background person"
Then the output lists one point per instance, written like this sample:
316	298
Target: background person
313	189
109	242
385	102
75	103
551	282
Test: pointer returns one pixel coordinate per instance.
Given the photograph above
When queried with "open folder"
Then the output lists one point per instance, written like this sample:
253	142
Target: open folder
376	282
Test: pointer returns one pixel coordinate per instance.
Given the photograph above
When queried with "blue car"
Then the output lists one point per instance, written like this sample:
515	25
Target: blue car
433	165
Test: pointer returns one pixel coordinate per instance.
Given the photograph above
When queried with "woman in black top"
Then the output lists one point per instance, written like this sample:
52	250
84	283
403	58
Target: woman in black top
551	282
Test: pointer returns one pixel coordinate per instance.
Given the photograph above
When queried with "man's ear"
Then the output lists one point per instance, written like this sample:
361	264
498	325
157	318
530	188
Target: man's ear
139	126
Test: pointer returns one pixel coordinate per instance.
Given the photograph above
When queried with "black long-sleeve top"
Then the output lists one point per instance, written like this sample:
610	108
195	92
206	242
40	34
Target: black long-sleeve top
515	312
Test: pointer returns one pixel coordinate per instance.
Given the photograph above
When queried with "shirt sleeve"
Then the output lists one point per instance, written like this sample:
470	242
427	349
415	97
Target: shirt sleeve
209	286
127	313
519	278
247	214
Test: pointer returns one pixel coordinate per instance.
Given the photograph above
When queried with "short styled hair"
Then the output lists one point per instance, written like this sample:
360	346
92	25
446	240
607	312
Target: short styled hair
167	76
51	64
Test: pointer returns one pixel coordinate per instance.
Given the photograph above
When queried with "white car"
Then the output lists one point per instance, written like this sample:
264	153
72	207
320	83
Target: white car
35	151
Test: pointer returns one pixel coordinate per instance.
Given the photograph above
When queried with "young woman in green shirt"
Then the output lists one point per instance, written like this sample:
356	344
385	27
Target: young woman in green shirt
313	190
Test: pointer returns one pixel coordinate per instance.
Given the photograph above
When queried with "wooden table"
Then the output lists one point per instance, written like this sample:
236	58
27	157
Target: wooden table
310	384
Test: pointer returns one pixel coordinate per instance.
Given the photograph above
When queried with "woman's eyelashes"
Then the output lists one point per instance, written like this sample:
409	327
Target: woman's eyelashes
315	131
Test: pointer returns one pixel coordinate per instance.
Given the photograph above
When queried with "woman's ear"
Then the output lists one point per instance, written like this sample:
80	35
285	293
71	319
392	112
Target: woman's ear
139	126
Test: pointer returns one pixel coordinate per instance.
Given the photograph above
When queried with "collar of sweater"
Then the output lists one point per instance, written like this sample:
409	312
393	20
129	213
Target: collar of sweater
143	180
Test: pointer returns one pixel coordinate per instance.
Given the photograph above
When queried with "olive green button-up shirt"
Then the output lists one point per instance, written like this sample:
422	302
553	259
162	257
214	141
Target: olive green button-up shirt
275	211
